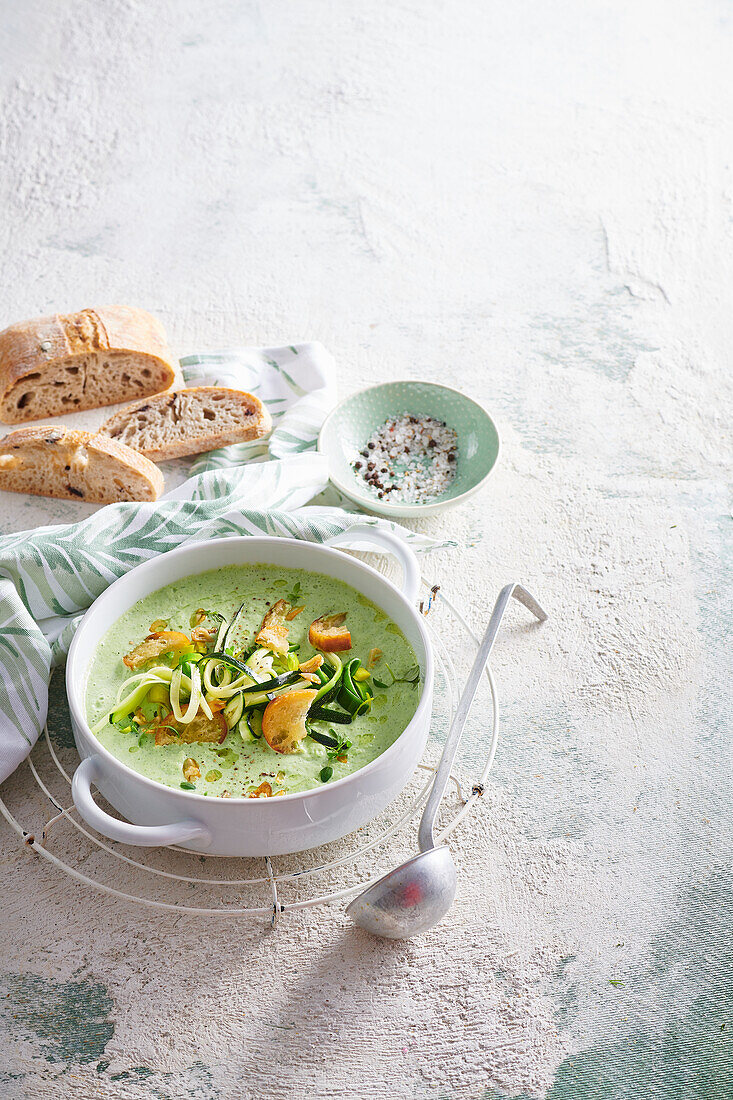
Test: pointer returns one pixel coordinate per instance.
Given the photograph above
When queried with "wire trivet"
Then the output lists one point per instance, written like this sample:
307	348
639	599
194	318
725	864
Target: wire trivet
184	881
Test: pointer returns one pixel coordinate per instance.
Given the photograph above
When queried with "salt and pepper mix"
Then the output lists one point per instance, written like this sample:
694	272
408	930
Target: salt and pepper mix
409	458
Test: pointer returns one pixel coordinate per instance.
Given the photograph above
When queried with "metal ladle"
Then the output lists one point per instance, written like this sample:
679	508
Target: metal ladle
416	895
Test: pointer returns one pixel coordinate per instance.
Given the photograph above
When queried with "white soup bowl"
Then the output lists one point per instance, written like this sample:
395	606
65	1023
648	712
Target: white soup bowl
155	814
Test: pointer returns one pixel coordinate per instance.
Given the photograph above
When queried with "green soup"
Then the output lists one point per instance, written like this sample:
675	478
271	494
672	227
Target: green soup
240	764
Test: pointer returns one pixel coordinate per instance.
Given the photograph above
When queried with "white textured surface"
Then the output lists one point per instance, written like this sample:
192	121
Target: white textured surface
530	202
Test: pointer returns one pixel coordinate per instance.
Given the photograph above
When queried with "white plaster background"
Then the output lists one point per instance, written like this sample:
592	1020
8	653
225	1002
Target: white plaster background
531	202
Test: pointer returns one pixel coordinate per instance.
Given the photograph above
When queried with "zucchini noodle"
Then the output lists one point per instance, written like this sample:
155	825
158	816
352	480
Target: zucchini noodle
131	697
177	682
209	686
256	698
227	687
233	711
159	675
261	662
205	706
221	634
228	691
334	661
217	678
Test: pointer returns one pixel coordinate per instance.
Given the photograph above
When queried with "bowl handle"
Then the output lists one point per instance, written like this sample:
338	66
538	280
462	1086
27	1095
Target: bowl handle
147	836
377	538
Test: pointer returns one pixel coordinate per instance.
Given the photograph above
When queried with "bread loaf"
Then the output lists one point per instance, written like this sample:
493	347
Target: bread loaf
58	462
187	422
62	364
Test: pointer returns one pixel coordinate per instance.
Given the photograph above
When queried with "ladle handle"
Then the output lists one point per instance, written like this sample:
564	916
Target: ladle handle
427	821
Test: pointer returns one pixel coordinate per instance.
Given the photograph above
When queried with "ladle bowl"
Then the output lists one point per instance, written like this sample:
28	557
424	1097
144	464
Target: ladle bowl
410	899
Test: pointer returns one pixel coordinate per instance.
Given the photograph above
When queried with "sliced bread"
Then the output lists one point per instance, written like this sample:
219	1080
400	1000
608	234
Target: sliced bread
58	462
62	364
187	422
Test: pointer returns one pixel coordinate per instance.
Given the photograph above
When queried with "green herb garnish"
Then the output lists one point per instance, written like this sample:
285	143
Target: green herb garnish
188	786
294	596
334	743
326	773
412	676
171	728
616	982
125	725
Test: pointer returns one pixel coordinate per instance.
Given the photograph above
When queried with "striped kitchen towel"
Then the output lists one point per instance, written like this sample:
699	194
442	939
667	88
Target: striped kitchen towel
296	383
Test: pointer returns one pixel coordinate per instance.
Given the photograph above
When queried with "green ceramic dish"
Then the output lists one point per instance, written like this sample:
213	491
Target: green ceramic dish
352	422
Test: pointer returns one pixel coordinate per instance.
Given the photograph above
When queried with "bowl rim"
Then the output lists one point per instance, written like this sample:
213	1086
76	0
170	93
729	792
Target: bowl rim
78	712
407	509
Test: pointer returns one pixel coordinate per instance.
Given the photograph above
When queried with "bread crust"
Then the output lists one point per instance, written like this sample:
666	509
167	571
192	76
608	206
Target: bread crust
133	460
69	449
256	422
29	347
